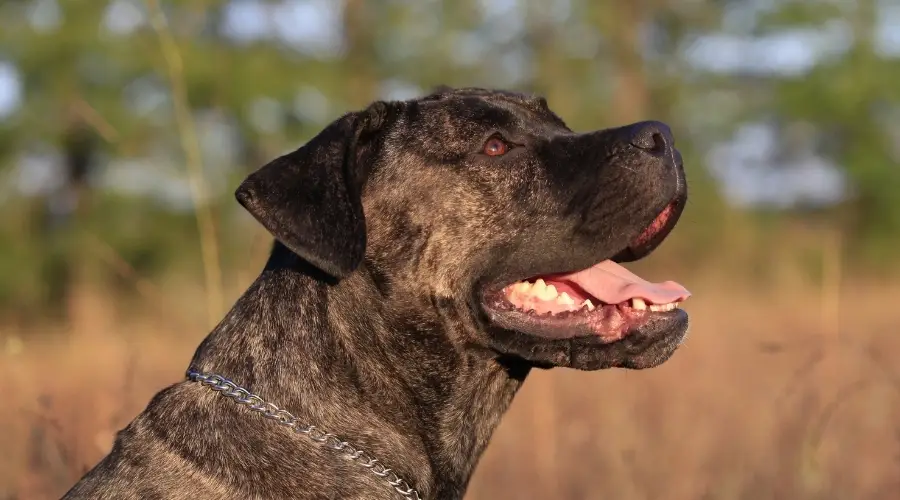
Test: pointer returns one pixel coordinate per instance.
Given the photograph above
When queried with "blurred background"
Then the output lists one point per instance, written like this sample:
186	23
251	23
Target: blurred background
125	126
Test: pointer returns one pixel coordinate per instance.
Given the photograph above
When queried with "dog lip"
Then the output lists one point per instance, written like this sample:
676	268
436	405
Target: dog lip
657	225
652	236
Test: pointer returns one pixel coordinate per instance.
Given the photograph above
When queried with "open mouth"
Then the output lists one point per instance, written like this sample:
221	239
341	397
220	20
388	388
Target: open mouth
604	300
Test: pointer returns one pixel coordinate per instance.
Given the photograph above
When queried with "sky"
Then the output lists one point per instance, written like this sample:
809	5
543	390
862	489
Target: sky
743	166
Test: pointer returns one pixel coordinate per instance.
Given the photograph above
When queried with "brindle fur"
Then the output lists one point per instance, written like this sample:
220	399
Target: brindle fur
366	320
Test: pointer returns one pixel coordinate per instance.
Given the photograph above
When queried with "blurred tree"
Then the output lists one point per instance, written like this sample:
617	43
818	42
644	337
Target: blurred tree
96	93
59	70
850	100
98	112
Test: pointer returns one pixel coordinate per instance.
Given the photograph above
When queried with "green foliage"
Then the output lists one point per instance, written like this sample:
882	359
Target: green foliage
599	63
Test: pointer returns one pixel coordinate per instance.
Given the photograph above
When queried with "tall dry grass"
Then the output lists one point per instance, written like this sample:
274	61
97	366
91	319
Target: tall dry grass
767	399
190	145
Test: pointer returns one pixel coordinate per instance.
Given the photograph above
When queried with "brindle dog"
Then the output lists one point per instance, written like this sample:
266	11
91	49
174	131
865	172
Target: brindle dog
428	254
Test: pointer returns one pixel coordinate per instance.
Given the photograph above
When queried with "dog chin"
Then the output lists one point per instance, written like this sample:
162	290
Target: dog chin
646	346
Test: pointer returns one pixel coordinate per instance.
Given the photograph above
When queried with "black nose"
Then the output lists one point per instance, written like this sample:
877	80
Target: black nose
653	137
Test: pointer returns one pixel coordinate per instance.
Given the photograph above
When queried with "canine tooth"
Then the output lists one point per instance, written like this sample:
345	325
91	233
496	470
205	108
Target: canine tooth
587	303
565	299
638	304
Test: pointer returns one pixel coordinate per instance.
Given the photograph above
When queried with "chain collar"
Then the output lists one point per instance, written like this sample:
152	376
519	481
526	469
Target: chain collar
268	410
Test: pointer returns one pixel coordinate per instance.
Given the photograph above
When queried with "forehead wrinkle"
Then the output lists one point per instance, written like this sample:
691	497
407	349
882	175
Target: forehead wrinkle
470	116
530	121
483	112
532	103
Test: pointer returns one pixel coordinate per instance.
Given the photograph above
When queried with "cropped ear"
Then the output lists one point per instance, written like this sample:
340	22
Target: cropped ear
310	199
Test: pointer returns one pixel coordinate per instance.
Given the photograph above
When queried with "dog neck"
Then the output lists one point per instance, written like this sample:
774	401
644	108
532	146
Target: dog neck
337	358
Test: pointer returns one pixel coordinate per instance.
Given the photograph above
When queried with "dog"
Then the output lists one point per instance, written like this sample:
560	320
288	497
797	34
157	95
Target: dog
427	255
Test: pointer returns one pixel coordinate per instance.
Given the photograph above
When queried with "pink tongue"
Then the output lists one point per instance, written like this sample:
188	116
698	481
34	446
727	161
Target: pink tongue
613	284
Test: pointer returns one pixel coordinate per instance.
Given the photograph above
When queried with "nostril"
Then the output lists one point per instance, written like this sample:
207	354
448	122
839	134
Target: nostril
650	141
652	138
659	144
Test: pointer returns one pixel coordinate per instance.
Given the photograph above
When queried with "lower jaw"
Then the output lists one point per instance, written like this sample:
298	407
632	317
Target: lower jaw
607	323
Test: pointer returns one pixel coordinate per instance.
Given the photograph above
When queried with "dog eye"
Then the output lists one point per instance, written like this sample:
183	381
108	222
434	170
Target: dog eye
495	146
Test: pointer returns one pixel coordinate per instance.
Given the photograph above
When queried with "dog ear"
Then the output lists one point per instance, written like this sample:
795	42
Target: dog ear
310	199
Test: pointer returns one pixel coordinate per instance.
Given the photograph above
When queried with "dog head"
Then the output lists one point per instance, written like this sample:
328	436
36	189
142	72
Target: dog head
482	211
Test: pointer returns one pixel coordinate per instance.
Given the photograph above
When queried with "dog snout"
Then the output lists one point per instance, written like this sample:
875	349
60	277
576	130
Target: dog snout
654	138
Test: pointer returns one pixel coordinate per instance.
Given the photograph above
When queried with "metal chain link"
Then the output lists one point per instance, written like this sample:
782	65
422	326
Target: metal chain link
268	410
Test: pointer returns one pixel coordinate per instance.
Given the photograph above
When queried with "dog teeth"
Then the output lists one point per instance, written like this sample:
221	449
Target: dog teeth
639	304
543	291
565	300
527	294
549	293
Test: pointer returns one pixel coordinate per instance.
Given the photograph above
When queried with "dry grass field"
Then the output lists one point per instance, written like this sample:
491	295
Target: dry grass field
782	393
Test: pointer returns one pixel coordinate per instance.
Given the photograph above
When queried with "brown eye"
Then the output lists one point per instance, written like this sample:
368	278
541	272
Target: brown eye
495	146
